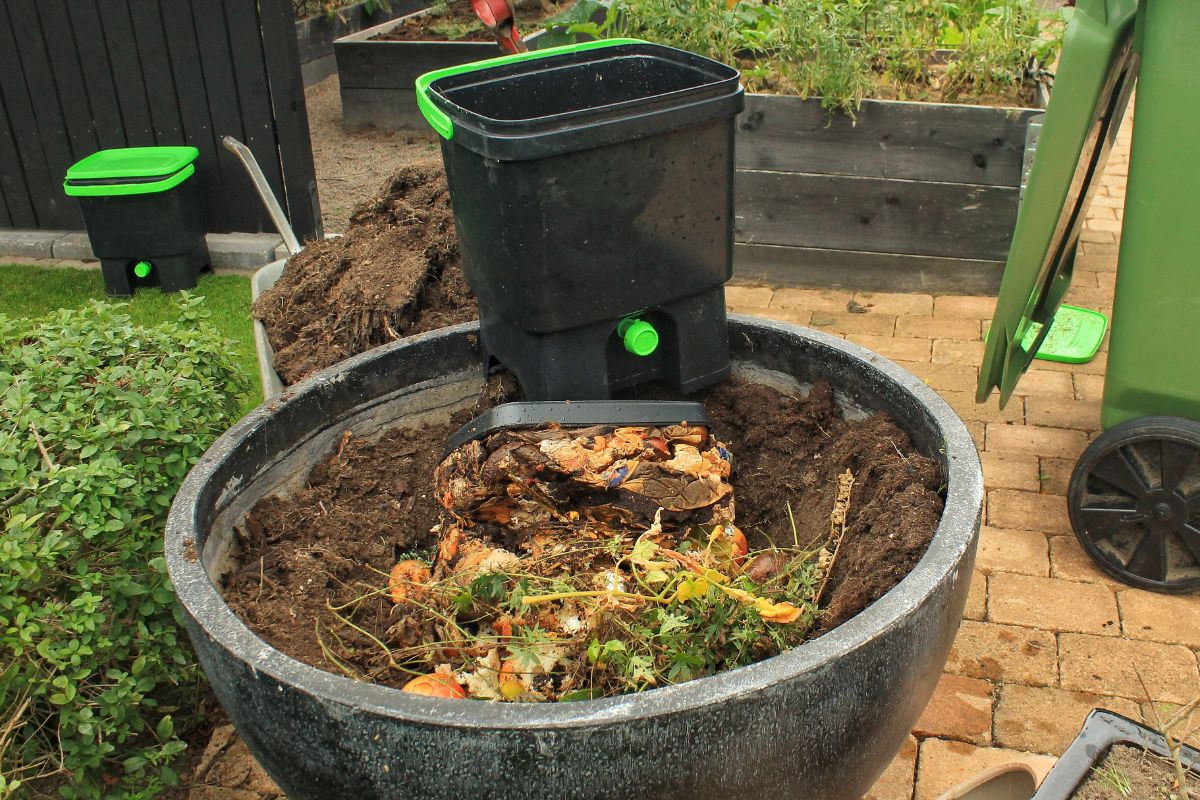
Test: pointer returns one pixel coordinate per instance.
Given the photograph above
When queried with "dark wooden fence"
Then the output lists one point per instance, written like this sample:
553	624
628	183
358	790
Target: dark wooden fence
78	76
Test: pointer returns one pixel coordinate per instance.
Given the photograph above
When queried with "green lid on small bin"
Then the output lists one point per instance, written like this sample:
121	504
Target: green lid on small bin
130	170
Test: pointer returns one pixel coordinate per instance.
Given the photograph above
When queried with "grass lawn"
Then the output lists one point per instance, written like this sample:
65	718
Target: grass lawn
27	291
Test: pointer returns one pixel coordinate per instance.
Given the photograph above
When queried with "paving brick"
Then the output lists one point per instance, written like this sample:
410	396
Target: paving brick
976	608
1004	654
1010	471
810	299
896	782
1098	237
845	323
1046	382
961	708
1003	550
950	306
988	411
1100	248
1097	366
1026	511
1106	202
1053	412
1101	224
1051	604
1160	617
942	765
896	303
748	297
1046	720
74	245
1103	665
1035	440
796	316
1069	562
958	351
924	327
1054	475
28	243
1089	387
903	349
944	377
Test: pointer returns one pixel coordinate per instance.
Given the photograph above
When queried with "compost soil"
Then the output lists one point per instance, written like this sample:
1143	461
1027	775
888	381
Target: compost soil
396	272
457	22
366	504
1131	772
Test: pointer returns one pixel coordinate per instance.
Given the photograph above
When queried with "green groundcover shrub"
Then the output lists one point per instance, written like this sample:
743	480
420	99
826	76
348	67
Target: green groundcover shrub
99	422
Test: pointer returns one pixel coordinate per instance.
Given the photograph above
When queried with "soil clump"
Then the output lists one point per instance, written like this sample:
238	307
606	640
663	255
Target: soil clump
396	272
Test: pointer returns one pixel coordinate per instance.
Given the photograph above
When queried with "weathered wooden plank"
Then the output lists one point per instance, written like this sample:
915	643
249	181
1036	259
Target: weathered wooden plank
918	141
188	76
291	117
366	64
67	73
154	55
127	73
20	203
51	130
874	214
97	74
860	271
389	109
254	94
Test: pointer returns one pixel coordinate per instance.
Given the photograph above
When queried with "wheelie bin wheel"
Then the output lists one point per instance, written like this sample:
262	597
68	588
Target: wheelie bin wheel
1134	502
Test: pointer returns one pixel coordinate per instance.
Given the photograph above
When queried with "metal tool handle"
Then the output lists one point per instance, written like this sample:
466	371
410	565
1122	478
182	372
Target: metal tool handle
264	191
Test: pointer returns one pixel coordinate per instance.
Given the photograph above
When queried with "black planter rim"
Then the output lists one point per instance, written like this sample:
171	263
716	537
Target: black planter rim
955	534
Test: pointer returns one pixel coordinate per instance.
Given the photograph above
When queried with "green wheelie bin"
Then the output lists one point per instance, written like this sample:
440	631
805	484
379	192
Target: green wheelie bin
1134	496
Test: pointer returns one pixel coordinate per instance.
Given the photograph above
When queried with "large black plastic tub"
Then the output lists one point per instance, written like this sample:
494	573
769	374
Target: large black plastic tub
819	722
589	184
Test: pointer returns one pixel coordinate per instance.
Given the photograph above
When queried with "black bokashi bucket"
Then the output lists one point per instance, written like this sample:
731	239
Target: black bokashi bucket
593	193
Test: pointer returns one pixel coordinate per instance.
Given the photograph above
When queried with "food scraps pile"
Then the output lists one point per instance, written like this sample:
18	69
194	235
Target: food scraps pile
574	564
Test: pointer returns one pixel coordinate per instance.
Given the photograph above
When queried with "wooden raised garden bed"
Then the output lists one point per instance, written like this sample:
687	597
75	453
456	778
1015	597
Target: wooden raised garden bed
907	197
377	76
315	35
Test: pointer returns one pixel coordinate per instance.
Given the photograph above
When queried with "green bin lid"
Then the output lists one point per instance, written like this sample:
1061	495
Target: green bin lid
132	162
130	170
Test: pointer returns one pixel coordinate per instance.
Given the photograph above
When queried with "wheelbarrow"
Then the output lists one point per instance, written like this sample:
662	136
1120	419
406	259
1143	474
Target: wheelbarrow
1134	495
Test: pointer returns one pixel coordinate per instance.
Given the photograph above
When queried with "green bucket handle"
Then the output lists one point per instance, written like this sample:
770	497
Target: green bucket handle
439	119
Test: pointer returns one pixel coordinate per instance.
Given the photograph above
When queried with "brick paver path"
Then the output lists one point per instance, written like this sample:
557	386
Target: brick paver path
1045	636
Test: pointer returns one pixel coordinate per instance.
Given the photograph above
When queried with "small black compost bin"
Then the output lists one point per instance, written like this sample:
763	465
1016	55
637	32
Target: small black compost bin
143	216
593	194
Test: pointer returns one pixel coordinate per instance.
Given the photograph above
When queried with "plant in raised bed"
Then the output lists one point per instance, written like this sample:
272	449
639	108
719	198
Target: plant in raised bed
101	420
982	51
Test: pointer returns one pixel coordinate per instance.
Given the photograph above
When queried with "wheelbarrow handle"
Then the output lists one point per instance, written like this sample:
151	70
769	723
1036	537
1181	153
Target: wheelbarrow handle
264	191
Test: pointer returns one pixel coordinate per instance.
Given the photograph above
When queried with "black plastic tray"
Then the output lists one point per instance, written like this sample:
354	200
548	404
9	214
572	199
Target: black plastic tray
577	414
1101	730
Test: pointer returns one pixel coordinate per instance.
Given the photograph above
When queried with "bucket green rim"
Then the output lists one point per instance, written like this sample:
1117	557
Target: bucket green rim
442	123
117	189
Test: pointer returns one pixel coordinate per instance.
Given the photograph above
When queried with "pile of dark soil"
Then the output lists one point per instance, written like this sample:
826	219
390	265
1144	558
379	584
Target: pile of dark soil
395	273
367	505
455	21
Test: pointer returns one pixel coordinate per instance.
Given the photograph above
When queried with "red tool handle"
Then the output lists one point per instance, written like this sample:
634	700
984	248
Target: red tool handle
497	17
